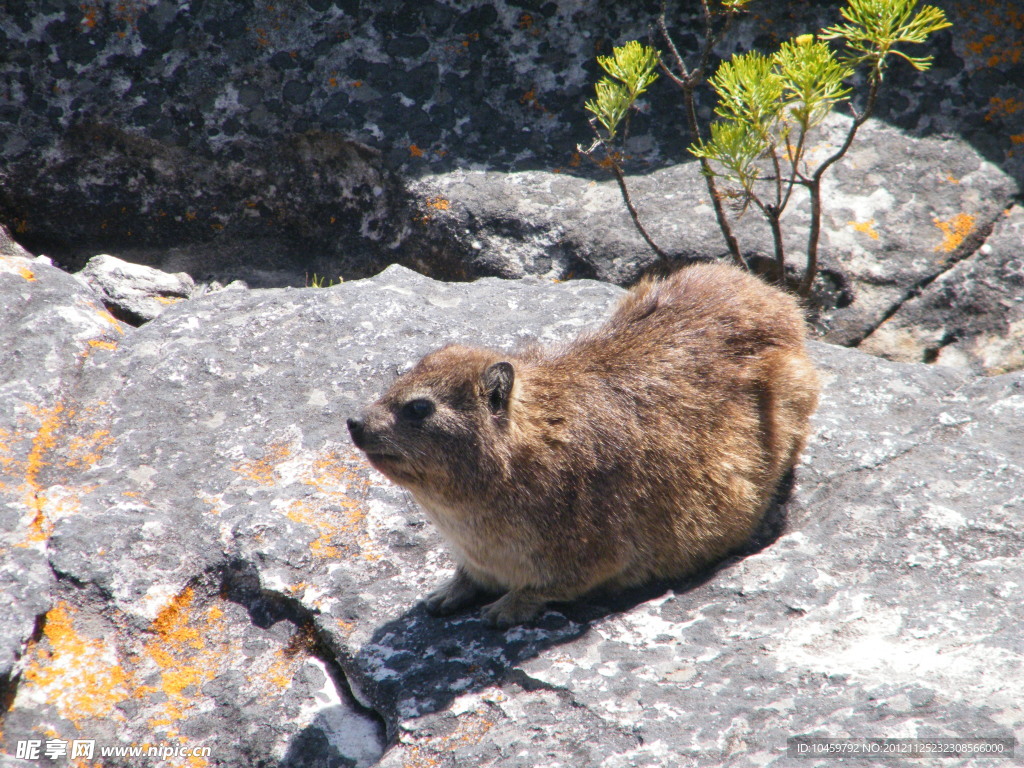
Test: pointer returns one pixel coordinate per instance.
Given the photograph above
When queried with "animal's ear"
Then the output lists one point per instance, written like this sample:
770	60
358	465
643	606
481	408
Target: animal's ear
498	380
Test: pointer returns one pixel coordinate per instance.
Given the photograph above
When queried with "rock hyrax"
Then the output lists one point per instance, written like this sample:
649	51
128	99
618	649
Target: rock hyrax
647	448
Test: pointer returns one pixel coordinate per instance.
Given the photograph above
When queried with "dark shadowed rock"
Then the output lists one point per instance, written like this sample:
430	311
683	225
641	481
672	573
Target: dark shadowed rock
137	127
225	566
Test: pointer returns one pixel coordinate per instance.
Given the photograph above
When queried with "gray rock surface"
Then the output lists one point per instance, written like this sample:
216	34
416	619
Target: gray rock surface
898	212
225	567
133	292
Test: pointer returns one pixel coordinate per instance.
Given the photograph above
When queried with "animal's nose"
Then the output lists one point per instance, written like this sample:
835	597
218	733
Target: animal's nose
355	428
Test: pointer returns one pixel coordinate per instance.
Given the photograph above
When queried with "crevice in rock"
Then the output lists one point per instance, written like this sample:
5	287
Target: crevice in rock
931	354
970	245
241	584
9	683
520	677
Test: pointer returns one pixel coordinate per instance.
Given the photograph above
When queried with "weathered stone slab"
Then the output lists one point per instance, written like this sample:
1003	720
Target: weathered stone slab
972	316
134	292
226	548
897	212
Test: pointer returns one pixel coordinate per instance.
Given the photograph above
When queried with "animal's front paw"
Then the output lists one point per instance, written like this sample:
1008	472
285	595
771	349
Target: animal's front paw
511	609
454	595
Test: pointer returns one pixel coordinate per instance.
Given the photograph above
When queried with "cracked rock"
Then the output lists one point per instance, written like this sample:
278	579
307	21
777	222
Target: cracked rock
213	565
971	316
132	292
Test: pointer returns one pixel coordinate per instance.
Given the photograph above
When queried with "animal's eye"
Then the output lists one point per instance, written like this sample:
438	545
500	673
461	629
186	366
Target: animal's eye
417	410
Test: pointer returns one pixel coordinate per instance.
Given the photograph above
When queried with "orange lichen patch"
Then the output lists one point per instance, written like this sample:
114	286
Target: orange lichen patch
103	344
991	33
954	231
50	422
216	503
979	46
109	318
439	203
529	99
46	501
998	107
415	151
309	514
85	451
90	15
80	675
262	470
189	648
345	627
16	266
281	671
168	300
865	227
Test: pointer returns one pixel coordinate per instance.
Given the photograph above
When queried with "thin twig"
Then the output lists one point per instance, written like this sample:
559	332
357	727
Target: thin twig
814	186
687	82
617	172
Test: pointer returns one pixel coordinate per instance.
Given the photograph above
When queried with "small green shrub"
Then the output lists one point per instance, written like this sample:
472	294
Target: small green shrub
767	107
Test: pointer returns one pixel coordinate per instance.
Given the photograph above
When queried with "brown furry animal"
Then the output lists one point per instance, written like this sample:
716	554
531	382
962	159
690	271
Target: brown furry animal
648	448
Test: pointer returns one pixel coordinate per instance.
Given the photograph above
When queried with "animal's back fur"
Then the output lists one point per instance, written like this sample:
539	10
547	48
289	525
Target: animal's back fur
673	424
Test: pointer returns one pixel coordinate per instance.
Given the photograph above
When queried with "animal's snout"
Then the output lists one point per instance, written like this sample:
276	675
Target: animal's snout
357	428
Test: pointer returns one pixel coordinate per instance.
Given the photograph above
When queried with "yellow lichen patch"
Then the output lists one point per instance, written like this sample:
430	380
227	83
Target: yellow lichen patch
865	227
103	344
80	675
168	300
439	203
954	231
262	470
